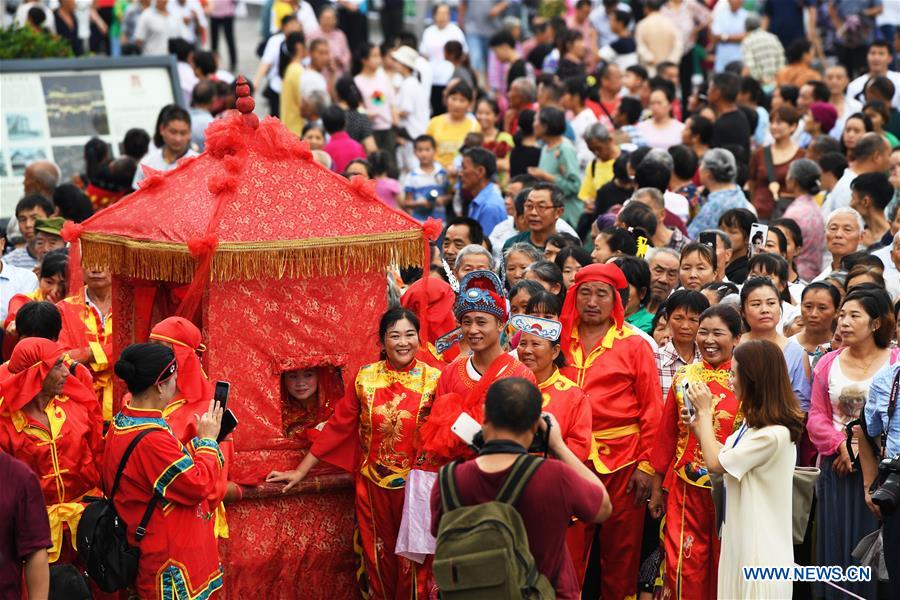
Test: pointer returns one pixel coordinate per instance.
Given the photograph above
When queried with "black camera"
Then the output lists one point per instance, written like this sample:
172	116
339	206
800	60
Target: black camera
887	496
540	444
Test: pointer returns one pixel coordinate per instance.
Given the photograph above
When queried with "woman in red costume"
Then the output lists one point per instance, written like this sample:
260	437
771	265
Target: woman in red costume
179	555
371	434
51	422
192	395
690	541
539	351
431	299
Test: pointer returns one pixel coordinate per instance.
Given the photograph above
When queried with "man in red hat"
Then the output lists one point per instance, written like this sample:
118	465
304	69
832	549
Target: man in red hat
193	393
616	368
51	422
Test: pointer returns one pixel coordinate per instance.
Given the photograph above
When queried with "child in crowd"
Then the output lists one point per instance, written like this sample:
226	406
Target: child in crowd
426	186
386	187
449	130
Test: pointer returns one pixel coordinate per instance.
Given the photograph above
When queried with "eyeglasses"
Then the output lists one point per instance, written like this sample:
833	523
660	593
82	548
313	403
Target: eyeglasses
538	207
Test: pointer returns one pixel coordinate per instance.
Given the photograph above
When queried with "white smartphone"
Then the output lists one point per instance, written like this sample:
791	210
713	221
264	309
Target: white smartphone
687	401
465	427
758	233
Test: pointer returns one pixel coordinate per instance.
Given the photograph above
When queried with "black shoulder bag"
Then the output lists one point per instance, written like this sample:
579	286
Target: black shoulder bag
101	540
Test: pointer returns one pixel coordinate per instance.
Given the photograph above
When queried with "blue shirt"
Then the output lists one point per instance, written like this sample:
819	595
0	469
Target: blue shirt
488	208
716	204
877	407
426	186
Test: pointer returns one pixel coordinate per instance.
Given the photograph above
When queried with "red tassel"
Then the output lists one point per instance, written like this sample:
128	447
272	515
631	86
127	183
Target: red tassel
364	187
201	247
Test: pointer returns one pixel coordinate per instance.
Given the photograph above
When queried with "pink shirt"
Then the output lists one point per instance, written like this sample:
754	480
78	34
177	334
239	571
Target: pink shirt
378	95
342	149
387	190
337	44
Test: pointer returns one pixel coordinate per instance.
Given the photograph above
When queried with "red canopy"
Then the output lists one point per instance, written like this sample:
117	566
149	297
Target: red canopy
259	200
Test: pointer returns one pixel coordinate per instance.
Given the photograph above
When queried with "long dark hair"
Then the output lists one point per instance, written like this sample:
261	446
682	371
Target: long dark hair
766	394
288	49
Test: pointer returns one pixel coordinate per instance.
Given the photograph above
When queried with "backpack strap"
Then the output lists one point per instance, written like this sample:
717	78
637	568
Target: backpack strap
131	446
447	481
518	477
141	529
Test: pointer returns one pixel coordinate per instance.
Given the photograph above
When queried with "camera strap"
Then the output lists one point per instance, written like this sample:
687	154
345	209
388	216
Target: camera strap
502	447
892	408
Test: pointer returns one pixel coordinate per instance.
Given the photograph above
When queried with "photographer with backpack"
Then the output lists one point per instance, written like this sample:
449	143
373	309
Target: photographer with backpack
501	519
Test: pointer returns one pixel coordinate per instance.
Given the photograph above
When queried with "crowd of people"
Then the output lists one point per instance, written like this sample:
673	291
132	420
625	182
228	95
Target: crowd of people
671	226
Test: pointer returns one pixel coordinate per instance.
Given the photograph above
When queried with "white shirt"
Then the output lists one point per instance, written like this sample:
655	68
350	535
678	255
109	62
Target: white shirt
840	195
193	12
415	101
677	205
312	81
856	87
14	280
155	30
22	15
891	274
432	47
726	22
580	123
154	159
423	68
270	56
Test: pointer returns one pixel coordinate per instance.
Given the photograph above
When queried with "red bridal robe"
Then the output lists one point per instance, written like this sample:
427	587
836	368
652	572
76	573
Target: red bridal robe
620	378
690	541
179	555
372	434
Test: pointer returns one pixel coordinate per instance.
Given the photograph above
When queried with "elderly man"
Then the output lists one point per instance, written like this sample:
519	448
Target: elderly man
28	210
626	404
762	52
543	207
663	263
47	236
522	96
51	422
871	155
41	177
476	174
843	232
665	237
472	258
460	232
718	171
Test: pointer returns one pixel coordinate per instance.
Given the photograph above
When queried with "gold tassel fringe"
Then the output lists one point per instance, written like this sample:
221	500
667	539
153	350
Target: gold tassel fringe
167	261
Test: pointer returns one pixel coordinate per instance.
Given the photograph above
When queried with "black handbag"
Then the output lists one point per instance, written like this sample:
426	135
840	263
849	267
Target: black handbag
101	539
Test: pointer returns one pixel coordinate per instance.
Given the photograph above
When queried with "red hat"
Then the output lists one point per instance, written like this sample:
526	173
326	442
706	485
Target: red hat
31	361
609	274
825	114
432	300
185	339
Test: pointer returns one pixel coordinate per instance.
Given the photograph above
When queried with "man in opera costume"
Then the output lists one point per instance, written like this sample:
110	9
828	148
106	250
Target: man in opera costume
616	368
51	421
481	312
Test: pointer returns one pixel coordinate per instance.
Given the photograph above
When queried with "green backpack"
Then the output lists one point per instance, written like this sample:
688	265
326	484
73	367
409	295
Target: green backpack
482	550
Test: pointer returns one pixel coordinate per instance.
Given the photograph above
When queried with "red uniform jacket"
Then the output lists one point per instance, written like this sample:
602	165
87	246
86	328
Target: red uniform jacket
565	401
620	378
179	555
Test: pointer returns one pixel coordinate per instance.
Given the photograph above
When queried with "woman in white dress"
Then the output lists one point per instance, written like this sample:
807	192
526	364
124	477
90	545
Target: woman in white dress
758	463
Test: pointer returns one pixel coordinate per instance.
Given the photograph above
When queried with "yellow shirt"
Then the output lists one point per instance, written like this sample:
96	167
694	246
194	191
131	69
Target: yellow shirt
596	175
449	136
280	10
289	104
